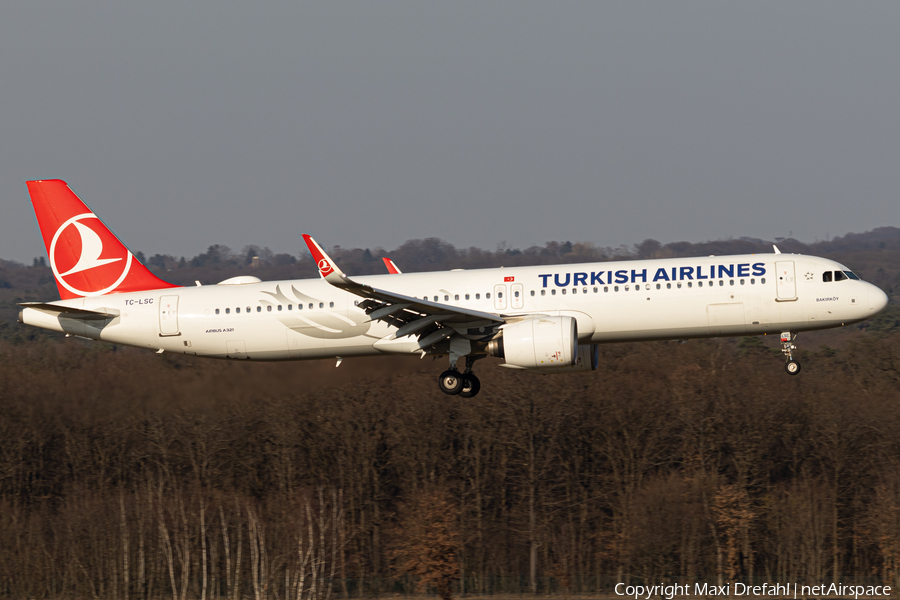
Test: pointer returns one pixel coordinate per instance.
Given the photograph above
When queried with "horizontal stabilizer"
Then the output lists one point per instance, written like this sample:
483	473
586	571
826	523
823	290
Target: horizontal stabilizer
71	312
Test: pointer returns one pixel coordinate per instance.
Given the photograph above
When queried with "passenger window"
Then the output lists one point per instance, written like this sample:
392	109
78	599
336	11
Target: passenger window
467	296
478	296
721	282
563	291
517	294
826	276
310	306
690	284
259	308
321	305
658	286
543	292
279	307
763	281
331	305
839	276
532	292
487	296
499	294
446	298
237	310
605	289
217	311
456	297
626	288
731	282
678	285
291	306
227	311
435	298
615	288
668	286
248	309
742	282
752	281
574	290
596	290
552	292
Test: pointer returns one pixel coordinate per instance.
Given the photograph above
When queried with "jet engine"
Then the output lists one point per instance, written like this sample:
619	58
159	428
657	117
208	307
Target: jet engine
538	343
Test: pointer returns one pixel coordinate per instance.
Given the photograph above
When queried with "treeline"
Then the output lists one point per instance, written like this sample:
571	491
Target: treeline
129	475
875	254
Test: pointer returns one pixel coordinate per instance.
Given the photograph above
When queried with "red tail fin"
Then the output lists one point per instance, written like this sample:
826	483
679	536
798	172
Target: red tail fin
86	258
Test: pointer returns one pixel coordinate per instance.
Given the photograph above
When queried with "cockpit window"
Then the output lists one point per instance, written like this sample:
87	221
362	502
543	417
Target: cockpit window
826	276
839	276
851	275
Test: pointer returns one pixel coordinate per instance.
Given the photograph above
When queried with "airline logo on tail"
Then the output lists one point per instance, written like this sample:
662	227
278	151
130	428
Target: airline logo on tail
77	240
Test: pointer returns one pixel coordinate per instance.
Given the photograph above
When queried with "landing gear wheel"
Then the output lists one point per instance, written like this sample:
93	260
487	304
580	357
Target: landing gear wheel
787	348
792	367
450	382
471	385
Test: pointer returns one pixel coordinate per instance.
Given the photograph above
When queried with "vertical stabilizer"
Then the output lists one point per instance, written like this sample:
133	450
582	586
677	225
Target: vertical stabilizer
86	257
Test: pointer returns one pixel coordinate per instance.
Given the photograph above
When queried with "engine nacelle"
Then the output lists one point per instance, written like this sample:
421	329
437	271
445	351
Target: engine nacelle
538	343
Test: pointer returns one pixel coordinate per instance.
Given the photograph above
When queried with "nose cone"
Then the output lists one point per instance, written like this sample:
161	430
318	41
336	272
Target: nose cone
877	300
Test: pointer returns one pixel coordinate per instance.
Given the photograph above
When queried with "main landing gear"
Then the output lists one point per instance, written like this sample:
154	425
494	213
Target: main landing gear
465	384
787	347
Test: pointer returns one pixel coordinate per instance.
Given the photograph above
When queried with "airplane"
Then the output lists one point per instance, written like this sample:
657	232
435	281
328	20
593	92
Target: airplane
540	319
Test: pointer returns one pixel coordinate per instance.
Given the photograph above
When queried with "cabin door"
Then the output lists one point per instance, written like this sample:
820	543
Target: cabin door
168	316
786	286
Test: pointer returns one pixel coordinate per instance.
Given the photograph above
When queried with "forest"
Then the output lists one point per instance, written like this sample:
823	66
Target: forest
125	474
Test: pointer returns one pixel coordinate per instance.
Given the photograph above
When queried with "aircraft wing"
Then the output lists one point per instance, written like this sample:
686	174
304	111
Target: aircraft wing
409	314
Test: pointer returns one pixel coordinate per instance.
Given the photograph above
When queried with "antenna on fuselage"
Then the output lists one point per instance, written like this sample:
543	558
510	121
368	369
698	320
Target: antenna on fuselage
777	251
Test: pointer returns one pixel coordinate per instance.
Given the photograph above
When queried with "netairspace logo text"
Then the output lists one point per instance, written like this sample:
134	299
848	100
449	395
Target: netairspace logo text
646	592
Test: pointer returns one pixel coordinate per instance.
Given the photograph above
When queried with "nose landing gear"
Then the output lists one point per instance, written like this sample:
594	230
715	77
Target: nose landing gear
787	347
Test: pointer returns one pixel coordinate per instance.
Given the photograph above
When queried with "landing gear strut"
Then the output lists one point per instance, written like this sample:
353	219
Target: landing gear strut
787	347
466	384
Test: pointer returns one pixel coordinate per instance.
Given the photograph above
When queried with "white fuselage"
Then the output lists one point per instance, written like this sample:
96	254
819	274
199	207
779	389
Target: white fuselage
675	298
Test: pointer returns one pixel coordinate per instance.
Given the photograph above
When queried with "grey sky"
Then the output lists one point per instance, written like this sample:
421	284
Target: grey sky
185	124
